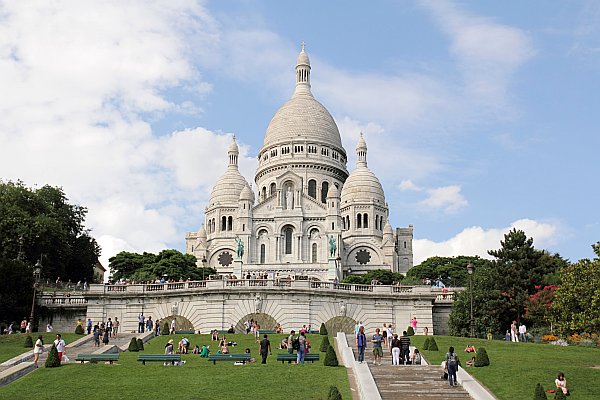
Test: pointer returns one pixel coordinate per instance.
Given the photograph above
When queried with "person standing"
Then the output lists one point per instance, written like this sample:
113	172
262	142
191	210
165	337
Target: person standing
384	333
109	327
361	344
141	319
390	335
173	326
452	366
301	348
157	328
395	343
168	350
290	342
49	327
89	326
514	332
522	332
115	328
60	345
413	324
404	348
265	348
377	349
37	350
105	338
149	324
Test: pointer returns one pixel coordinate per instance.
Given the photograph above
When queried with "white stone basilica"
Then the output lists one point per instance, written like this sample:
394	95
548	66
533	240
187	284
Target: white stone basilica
311	219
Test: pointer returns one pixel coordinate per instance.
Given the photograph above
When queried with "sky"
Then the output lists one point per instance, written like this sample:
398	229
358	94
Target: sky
478	116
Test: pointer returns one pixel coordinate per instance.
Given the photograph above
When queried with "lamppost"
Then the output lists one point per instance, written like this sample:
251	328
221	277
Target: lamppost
470	270
37	271
203	266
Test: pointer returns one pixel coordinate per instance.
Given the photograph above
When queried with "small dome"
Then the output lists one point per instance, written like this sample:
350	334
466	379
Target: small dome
387	229
247	194
333	192
228	188
362	185
202	233
303	58
361	145
233	147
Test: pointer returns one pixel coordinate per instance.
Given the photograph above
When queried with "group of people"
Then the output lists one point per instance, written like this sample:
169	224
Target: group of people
517	333
398	347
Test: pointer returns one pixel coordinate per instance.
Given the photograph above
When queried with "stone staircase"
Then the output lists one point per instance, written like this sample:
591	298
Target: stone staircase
408	382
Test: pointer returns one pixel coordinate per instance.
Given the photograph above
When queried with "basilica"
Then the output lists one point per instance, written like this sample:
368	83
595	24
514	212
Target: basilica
310	218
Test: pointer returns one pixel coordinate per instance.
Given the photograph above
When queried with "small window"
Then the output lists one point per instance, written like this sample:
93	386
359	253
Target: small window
272	189
314	252
324	190
312	188
358	220
365	220
224	223
262	253
288	240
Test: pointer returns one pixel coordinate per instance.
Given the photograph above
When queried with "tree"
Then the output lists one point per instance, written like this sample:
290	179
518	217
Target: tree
451	271
539	393
324	344
482	359
323	329
538	308
383	276
577	300
16	289
52	361
331	358
79	330
334	393
28	341
133	345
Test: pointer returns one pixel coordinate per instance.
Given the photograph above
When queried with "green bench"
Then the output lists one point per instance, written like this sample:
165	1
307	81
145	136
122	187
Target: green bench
185	332
264	331
172	358
283	357
229	357
94	358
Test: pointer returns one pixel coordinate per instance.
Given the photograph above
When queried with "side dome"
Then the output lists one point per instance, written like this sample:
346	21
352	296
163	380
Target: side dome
333	192
362	185
387	229
247	194
229	186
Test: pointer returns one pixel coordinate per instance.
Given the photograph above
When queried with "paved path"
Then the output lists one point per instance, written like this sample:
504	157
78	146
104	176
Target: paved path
409	382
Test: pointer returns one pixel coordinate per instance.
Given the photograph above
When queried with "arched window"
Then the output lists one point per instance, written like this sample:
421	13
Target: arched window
224	223
324	190
343	223
264	193
377	222
312	188
288	239
347	222
358	221
272	189
314	252
229	223
365	220
262	253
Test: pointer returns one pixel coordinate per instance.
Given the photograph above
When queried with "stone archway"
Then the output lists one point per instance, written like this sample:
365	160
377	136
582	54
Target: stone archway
265	321
181	323
340	324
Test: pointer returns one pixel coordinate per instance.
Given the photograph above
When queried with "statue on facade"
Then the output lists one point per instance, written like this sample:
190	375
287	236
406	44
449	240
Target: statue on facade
258	303
342	309
240	247
289	199
332	246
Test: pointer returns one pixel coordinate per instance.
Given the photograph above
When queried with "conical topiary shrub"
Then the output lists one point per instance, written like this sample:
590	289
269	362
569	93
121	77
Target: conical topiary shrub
334	393
133	346
79	330
52	360
433	345
28	341
323	330
324	344
426	344
481	359
559	395
410	331
331	358
165	329
539	393
140	345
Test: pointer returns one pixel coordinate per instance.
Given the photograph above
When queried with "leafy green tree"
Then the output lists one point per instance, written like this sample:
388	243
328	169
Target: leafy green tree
334	393
133	345
538	308
577	300
16	289
331	359
384	277
452	271
28	341
482	359
324	344
323	329
539	393
52	361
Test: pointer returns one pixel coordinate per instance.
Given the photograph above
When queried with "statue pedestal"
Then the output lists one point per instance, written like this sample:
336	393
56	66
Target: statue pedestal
237	268
334	271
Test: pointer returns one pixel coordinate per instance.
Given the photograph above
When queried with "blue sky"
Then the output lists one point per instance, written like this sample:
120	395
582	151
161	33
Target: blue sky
479	116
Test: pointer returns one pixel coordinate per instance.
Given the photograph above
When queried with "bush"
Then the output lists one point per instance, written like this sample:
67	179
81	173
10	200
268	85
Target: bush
433	345
324	344
334	393
481	359
330	358
165	329
410	331
133	346
323	330
79	330
52	361
426	343
28	341
539	393
140	345
559	395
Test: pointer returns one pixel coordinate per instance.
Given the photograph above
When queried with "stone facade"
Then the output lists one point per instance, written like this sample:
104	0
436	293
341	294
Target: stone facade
309	217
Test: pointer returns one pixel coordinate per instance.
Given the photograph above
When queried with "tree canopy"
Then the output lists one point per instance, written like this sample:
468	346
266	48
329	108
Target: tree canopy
451	271
384	277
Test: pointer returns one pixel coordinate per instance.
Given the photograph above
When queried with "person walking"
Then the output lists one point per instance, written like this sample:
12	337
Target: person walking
290	342
390	335
452	366
60	344
413	324
361	344
141	319
377	349
395	343
265	349
89	326
37	350
301	348
115	328
405	348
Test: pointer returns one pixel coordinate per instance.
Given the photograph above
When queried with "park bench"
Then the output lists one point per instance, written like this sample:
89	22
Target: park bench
283	357
172	358
94	358
266	331
185	332
229	357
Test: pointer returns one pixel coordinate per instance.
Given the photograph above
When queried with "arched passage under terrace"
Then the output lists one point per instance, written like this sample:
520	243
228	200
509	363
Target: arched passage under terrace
340	324
181	323
265	321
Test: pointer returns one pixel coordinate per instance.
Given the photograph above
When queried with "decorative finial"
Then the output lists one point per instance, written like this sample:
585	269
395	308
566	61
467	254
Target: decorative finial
302	44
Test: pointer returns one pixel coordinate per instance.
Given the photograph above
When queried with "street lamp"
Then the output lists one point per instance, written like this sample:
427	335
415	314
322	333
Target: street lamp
203	266
470	270
37	271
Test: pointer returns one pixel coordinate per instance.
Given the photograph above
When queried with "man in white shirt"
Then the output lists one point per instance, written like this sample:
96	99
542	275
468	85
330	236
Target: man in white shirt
522	332
60	344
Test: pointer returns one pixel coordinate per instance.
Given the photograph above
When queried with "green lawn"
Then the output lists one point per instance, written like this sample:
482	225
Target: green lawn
197	379
13	345
515	368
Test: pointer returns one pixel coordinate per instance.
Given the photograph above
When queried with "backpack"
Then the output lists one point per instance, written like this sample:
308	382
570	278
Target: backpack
453	358
296	343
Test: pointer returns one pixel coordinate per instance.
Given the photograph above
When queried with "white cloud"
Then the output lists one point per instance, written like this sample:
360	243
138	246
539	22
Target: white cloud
407	184
447	198
477	240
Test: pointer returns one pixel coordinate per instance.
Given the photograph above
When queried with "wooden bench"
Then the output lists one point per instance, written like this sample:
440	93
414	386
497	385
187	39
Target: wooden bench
283	357
172	358
185	332
229	357
94	358
264	331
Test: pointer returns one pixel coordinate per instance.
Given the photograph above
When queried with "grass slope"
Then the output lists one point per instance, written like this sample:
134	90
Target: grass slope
515	368
197	379
13	345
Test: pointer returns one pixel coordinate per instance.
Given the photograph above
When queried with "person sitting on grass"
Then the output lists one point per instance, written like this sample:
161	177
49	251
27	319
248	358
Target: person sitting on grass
561	383
204	352
215	335
284	344
471	362
196	350
470	349
224	348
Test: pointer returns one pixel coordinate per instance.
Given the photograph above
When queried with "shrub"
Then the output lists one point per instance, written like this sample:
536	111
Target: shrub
433	345
334	393
52	361
323	330
140	345
28	341
324	344
549	338
539	393
165	329
133	346
559	395
79	330
330	358
410	331
426	343
482	359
